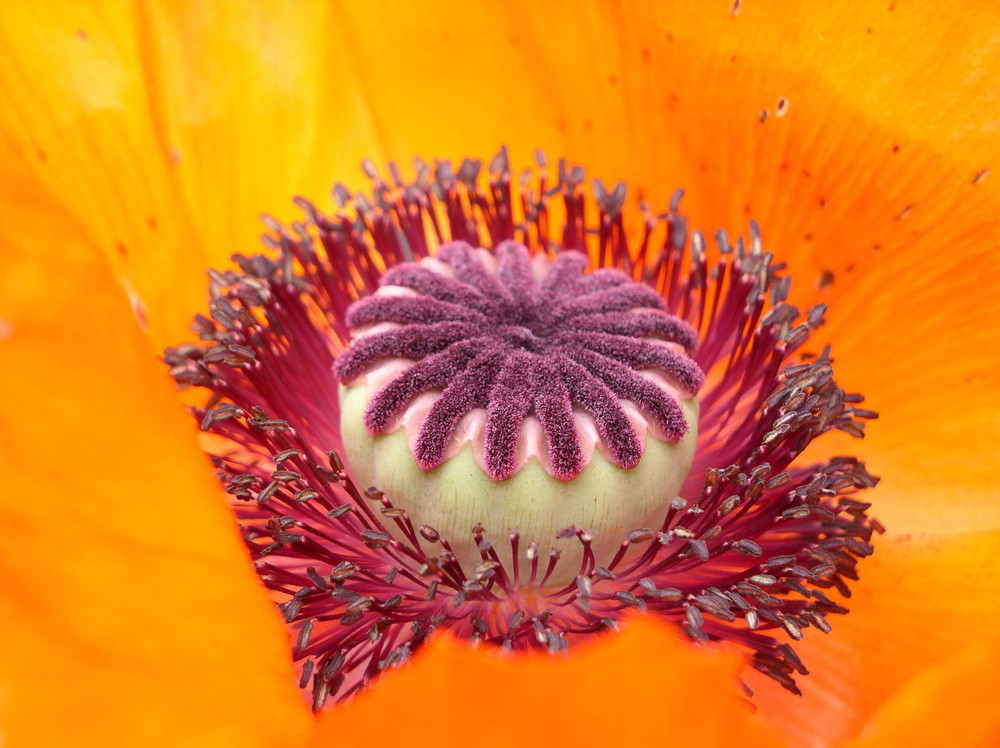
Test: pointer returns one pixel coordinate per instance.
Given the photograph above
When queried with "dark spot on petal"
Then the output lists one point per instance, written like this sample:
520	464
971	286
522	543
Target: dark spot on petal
141	316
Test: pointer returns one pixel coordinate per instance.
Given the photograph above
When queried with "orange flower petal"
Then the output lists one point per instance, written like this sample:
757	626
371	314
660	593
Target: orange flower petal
644	686
76	115
920	603
919	337
129	609
961	691
256	105
35	224
675	94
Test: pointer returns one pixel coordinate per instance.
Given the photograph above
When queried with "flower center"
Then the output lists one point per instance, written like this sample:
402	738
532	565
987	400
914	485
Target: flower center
522	374
363	557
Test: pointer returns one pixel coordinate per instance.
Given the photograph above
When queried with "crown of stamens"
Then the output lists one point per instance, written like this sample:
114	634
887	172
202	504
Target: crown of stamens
523	338
743	551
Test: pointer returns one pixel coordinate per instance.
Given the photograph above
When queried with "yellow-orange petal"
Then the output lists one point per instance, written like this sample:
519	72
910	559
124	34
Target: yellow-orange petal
645	686
129	611
165	130
268	100
920	603
76	116
258	104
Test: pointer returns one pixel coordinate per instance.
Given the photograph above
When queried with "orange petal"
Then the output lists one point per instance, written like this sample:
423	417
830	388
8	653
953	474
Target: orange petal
919	336
920	604
129	609
961	692
33	225
643	686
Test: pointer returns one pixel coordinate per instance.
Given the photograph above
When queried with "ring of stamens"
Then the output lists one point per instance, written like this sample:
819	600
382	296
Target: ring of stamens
747	555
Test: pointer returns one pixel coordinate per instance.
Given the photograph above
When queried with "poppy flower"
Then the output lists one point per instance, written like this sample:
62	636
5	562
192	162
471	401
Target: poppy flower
144	140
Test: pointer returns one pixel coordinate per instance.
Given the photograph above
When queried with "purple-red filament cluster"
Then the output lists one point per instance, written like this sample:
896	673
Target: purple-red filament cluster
504	343
748	553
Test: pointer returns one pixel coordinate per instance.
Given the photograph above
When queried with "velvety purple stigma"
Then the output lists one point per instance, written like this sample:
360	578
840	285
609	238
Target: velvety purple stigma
502	341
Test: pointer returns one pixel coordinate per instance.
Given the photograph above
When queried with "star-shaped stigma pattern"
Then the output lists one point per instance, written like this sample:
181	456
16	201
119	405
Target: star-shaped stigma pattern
499	332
